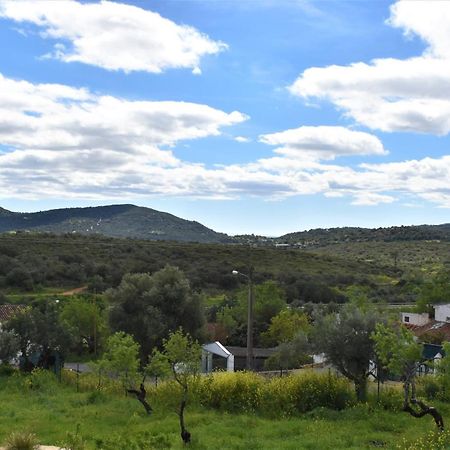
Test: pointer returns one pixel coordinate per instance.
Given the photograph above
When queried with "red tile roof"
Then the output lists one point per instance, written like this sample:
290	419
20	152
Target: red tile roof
432	328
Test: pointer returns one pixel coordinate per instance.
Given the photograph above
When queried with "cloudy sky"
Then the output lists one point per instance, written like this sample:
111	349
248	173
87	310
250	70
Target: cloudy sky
263	116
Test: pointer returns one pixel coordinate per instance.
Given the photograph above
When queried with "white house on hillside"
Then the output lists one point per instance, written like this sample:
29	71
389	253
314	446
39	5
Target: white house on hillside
415	318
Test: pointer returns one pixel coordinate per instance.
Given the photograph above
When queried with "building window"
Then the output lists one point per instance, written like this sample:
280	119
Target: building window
406	318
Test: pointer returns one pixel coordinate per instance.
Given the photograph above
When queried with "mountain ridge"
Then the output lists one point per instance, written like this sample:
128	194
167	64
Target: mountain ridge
138	222
124	220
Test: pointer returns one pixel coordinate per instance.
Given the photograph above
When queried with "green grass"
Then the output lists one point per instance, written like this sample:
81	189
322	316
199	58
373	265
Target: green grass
54	411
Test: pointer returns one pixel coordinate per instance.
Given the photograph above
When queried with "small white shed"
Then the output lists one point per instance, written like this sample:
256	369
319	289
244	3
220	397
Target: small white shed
216	348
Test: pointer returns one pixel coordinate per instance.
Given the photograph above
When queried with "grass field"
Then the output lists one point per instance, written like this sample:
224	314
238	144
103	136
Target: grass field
107	421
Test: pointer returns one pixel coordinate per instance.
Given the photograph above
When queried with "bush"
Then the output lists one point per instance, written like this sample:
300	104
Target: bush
21	441
302	393
232	392
287	396
431	387
41	380
391	399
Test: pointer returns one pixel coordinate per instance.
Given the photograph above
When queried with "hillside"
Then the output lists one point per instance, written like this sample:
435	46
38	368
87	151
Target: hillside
325	236
127	221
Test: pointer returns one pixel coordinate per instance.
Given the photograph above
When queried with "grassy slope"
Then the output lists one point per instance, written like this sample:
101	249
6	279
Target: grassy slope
428	256
51	414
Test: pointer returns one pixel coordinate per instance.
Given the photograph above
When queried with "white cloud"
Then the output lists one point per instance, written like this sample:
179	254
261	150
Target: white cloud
324	142
59	141
114	36
393	94
371	199
63	141
242	139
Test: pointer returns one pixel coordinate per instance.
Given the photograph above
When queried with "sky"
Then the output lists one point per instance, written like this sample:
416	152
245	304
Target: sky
249	116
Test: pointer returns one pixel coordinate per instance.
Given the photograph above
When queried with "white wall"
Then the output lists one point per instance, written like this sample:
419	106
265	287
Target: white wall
442	313
415	318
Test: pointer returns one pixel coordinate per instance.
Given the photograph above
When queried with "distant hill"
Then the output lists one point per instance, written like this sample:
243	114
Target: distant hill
126	221
326	236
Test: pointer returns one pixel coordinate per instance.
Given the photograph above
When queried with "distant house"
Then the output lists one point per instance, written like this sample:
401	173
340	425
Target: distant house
427	329
8	311
417	319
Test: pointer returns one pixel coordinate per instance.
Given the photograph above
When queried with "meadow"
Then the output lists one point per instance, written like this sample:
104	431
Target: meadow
59	415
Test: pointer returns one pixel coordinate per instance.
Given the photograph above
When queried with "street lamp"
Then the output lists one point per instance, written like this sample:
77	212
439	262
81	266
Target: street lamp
249	361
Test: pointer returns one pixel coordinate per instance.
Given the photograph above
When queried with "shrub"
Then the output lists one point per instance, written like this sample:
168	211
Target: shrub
21	441
391	399
431	387
312	390
232	392
41	380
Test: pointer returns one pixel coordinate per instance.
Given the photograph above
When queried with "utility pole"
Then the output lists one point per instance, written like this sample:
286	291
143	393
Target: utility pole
250	321
250	301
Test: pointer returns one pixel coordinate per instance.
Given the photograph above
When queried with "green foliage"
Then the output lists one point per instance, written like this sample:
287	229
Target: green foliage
21	441
150	306
86	322
72	260
346	342
285	326
9	346
303	393
433	291
290	355
121	357
182	355
157	366
40	330
396	348
268	302
41	380
232	392
435	440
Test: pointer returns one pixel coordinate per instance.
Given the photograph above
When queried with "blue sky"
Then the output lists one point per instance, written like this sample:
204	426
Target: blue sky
249	116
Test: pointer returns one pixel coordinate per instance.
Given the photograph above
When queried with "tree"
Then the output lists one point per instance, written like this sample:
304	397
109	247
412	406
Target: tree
291	354
345	339
182	355
402	355
150	306
41	332
9	346
285	326
434	291
268	302
121	357
86	322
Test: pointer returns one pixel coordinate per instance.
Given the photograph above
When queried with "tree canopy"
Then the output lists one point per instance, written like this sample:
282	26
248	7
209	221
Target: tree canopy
149	307
345	339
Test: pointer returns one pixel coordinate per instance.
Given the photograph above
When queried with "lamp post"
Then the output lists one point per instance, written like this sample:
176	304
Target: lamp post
249	361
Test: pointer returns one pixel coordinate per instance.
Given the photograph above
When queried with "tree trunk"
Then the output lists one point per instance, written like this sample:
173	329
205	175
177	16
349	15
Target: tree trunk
141	397
361	389
185	435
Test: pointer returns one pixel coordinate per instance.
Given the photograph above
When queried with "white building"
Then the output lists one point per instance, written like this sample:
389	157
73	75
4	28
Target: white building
442	313
417	319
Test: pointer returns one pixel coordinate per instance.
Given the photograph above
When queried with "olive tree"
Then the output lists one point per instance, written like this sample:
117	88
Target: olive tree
345	339
402	355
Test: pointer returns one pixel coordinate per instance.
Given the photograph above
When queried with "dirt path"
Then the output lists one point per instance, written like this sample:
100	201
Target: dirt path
74	291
